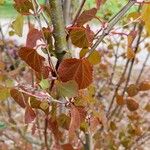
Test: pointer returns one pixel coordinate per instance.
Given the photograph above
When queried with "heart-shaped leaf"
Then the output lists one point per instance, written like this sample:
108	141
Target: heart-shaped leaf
79	70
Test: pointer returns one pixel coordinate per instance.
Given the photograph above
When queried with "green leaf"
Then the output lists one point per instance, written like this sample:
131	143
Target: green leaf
67	89
2	125
17	25
44	83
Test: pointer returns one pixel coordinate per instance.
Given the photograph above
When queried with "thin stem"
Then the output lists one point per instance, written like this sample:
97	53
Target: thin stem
111	24
143	67
87	144
117	88
115	63
78	12
131	67
132	62
45	134
40	25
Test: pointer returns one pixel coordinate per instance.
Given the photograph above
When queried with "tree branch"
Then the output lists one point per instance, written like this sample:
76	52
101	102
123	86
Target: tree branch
112	23
59	34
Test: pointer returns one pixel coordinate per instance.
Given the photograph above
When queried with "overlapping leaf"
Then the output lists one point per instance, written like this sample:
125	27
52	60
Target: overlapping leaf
86	16
18	97
82	37
75	122
68	89
79	70
32	37
94	58
29	115
32	58
23	6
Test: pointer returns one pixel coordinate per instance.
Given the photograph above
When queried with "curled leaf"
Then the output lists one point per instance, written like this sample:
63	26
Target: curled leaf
82	37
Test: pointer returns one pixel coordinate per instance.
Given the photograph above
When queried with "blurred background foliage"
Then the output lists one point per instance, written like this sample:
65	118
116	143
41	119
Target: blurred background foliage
108	9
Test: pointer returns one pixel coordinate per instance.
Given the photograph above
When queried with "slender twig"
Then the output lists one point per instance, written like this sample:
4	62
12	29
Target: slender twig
116	59
35	3
111	24
117	88
131	66
78	12
143	67
132	62
87	144
45	134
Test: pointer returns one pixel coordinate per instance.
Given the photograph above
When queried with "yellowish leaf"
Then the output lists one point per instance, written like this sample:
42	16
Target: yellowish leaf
83	52
132	90
94	58
4	92
17	25
44	105
145	16
130	53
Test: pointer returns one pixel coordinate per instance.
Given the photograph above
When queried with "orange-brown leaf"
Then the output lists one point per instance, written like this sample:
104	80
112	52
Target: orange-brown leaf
144	86
23	6
32	37
75	122
32	58
82	37
86	16
132	105
29	115
120	100
132	90
18	97
79	70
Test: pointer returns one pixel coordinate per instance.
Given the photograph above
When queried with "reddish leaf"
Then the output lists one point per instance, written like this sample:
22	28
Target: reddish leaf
32	58
82	37
44	73
86	16
29	115
32	37
67	147
53	126
99	3
79	70
23	6
75	122
132	105
18	97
